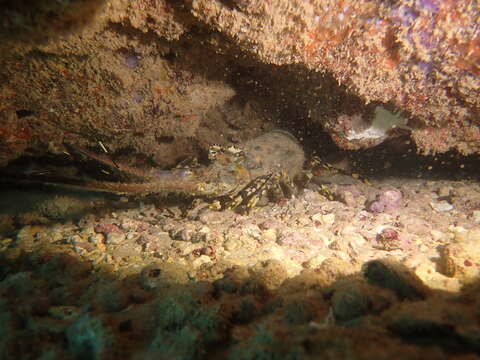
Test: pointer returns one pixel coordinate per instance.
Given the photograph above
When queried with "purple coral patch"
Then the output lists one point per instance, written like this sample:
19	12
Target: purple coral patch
107	228
425	67
132	60
405	15
137	97
388	200
427	5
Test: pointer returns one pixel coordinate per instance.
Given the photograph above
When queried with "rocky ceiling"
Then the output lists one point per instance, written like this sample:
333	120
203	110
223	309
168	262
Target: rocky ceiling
167	78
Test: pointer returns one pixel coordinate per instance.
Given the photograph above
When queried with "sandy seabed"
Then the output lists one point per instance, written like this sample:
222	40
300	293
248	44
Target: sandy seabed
381	270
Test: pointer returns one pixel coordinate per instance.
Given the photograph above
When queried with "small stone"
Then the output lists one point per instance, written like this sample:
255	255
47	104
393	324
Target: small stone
197	237
150	211
83	247
163	237
355	240
106	228
269	224
422	247
437	235
314	262
324	219
311	196
96	239
351	196
155	243
339	245
86	221
270	235
291	238
388	239
199	261
125	251
388	200
303	220
441	206
242	244
86	231
231	244
128	224
476	216
115	238
329	219
348	198
443	191
210	217
73	239
184	248
108	259
183	234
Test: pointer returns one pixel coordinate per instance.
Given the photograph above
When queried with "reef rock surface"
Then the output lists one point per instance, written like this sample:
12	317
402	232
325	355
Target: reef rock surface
151	75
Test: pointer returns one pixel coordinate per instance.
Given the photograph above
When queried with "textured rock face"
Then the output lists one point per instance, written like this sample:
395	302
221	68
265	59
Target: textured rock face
115	80
421	56
147	74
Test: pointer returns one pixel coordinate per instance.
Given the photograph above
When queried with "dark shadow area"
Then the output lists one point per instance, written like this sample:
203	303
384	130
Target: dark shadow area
399	158
55	305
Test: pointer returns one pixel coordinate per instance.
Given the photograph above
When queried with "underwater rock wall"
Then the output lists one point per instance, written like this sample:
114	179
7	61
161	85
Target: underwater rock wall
422	56
115	80
145	75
